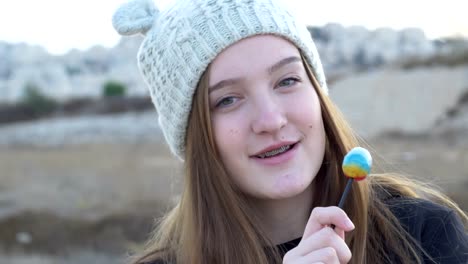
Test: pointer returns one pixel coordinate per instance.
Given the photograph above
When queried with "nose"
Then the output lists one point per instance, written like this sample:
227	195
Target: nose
269	116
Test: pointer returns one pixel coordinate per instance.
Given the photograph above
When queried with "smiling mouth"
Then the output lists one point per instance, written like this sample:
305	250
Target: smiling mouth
276	152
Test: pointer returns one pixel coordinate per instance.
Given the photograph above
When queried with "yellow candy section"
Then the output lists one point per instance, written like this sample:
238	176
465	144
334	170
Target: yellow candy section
354	171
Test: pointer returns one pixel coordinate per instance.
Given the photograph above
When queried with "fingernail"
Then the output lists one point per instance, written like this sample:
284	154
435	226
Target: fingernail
349	224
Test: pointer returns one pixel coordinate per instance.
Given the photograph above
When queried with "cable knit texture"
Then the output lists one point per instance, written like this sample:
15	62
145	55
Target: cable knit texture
182	40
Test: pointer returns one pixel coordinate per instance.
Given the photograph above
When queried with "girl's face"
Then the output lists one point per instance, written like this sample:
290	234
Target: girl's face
266	117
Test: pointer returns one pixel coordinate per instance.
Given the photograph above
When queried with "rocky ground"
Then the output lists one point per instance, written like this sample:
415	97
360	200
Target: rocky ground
64	198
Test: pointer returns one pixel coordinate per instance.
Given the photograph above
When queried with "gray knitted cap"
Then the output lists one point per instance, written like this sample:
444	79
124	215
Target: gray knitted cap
181	41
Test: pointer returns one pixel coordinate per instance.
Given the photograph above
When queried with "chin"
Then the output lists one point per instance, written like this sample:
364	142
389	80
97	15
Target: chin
289	186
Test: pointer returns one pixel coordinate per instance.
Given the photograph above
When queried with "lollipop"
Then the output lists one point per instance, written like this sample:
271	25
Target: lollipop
356	166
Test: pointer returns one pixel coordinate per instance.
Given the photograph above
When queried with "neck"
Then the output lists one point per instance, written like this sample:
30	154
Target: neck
284	220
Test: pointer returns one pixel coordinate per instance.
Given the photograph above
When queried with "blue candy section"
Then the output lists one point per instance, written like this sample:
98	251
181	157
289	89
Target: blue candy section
358	157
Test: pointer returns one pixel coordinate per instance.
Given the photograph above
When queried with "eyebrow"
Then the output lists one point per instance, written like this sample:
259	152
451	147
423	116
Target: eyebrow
223	83
282	63
270	70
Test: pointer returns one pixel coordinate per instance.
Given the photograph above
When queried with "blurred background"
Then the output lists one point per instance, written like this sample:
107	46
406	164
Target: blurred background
84	170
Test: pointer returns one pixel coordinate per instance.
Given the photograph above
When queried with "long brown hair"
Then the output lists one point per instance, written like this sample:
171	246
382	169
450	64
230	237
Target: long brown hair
213	223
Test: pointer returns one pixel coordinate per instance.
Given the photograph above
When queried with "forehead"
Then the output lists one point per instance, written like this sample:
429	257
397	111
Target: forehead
251	56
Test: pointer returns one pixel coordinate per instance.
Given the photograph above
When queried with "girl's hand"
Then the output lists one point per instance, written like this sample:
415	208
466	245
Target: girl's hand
320	243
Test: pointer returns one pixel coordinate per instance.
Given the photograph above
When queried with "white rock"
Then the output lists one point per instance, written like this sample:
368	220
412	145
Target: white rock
393	100
23	237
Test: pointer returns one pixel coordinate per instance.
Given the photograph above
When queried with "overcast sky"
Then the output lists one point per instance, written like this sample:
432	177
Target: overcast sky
60	25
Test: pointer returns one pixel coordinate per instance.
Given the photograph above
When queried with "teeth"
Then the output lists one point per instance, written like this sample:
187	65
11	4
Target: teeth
274	152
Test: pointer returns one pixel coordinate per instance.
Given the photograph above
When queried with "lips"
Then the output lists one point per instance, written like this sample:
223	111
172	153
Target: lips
274	150
290	150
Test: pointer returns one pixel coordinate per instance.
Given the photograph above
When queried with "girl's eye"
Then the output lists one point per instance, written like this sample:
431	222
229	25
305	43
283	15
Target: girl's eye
288	82
226	101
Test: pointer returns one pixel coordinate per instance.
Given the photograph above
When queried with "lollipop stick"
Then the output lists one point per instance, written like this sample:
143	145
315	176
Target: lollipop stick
343	196
345	193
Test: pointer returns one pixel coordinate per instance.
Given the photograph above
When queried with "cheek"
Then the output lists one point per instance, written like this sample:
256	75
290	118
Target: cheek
306	110
228	134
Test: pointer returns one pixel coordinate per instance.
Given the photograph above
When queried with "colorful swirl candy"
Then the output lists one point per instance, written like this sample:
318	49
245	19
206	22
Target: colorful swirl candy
356	166
357	163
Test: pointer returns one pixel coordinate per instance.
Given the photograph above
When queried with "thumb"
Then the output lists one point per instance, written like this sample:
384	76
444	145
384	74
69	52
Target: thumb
326	216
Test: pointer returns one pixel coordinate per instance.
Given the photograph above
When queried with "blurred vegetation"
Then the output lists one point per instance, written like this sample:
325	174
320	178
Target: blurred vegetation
37	102
451	59
36	105
114	88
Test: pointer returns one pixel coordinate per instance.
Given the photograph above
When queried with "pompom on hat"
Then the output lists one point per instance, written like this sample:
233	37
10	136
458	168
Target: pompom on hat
182	40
